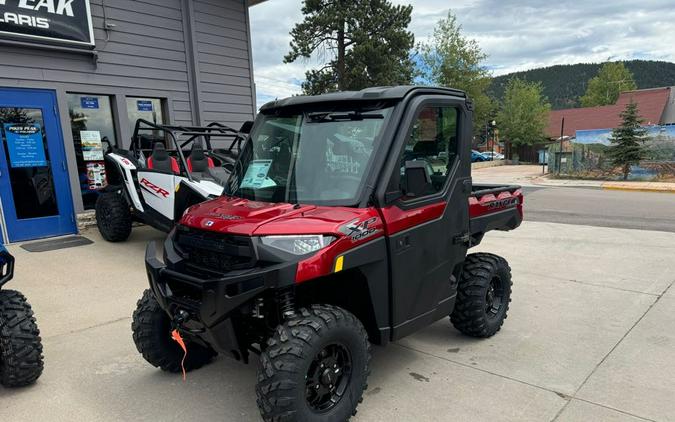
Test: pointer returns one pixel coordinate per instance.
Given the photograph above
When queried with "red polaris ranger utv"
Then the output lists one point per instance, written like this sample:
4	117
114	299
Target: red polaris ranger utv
346	221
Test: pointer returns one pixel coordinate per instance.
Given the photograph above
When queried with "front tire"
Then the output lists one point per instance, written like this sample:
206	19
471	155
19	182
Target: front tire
315	367
113	217
483	295
151	329
20	344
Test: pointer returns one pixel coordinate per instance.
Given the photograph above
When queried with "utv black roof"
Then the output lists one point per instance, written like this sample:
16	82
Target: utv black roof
381	93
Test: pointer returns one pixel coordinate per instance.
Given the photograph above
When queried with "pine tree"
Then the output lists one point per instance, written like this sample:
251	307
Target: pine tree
365	43
627	141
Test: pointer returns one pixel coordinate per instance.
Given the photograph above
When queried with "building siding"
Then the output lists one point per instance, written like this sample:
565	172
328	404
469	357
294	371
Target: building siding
202	69
223	61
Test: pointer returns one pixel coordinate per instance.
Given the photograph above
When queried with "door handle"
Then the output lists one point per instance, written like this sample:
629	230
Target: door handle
63	165
403	243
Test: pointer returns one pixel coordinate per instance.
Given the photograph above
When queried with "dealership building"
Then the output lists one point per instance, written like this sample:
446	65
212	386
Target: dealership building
76	74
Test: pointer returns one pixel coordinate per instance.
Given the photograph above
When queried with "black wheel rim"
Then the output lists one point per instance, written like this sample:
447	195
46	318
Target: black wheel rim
328	377
494	297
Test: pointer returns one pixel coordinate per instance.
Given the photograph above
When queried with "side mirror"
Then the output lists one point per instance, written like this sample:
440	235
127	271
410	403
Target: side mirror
246	127
417	179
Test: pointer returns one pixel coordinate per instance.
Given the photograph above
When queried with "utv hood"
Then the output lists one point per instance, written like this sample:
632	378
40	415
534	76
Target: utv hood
252	218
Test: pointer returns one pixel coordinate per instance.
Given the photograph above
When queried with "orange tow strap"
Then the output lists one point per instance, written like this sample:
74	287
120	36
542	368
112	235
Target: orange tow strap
175	335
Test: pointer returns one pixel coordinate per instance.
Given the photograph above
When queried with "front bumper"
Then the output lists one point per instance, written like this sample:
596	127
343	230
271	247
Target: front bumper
211	303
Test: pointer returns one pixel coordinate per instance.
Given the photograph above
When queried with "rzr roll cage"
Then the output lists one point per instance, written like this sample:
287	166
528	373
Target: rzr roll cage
174	133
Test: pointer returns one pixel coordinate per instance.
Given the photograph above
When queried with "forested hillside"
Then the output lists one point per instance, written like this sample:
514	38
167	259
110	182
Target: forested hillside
564	84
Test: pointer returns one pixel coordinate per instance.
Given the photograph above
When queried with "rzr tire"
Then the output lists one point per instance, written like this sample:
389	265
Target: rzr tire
20	344
475	313
113	217
291	361
151	328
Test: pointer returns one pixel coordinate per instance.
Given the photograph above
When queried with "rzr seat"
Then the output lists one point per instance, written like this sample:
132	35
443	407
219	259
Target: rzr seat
198	162
161	160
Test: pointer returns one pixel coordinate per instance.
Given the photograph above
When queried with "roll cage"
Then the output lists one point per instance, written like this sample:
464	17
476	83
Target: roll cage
182	136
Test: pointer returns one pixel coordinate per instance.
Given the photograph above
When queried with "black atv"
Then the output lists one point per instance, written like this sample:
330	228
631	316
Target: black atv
20	344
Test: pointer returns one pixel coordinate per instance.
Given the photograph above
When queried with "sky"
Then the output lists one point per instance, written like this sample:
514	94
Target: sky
516	35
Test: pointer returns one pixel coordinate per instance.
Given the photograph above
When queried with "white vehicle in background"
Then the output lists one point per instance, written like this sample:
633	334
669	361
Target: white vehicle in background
153	184
493	155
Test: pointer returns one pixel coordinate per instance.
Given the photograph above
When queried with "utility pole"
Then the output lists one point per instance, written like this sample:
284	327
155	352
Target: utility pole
562	133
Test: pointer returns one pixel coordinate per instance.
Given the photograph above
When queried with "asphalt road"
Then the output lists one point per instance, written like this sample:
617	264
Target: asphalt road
601	208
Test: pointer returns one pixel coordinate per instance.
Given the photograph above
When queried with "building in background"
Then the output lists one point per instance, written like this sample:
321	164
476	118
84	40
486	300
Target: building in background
656	106
587	131
76	74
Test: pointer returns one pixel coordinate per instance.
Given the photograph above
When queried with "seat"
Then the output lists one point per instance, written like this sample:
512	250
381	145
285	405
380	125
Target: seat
160	160
198	162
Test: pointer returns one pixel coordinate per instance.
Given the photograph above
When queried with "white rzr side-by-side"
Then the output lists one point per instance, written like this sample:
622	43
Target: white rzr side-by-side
154	185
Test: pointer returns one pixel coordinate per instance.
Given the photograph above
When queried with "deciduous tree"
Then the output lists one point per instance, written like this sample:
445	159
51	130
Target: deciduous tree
603	89
453	60
523	115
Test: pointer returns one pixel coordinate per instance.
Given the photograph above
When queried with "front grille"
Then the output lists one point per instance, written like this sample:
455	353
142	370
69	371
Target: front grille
216	252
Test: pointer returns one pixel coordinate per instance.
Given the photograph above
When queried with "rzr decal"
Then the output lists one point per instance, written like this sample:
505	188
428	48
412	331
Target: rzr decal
153	188
356	230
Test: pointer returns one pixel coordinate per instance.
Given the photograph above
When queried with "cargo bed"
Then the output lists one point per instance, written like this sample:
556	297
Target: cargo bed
494	207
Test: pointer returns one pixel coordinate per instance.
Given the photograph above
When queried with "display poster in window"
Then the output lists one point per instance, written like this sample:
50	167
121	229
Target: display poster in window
96	178
92	150
47	21
25	145
143	105
256	175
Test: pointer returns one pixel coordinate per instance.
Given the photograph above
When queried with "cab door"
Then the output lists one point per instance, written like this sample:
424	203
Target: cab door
428	214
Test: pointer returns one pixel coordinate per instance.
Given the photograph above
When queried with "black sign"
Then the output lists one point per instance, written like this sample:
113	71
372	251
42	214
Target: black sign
47	21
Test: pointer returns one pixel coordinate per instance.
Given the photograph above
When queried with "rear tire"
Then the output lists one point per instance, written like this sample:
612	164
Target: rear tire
151	329
20	344
483	296
315	367
113	217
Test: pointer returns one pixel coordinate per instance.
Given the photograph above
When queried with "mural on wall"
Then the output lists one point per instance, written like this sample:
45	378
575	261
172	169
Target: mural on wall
660	142
587	154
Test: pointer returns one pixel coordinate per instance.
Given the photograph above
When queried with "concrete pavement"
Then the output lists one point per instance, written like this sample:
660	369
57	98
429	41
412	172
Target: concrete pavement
532	175
589	337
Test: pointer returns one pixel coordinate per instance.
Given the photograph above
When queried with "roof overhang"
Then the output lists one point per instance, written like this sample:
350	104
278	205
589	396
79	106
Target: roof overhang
254	2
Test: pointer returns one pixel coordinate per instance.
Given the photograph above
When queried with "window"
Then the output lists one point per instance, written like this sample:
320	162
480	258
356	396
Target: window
321	157
433	141
149	109
28	159
92	124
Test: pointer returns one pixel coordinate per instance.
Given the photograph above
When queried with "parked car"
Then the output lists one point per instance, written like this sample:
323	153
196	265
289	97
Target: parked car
305	263
491	155
477	157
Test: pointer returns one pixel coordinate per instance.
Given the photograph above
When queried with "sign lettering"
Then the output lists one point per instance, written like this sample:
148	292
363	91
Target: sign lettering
47	21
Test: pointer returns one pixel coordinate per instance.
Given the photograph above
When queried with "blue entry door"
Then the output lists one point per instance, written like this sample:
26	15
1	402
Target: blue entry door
34	185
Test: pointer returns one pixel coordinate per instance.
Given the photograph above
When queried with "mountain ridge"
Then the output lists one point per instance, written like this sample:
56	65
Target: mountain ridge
564	84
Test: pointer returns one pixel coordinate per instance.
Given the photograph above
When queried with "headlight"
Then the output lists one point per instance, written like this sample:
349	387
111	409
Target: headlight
298	244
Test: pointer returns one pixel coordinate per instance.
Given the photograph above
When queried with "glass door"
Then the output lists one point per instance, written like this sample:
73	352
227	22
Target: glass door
34	185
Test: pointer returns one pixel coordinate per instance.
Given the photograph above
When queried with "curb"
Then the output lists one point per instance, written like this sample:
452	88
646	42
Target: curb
638	189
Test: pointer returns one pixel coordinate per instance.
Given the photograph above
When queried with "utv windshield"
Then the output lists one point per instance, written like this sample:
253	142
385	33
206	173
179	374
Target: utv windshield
318	157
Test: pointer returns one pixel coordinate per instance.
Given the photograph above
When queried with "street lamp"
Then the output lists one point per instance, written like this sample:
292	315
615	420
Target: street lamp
491	124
